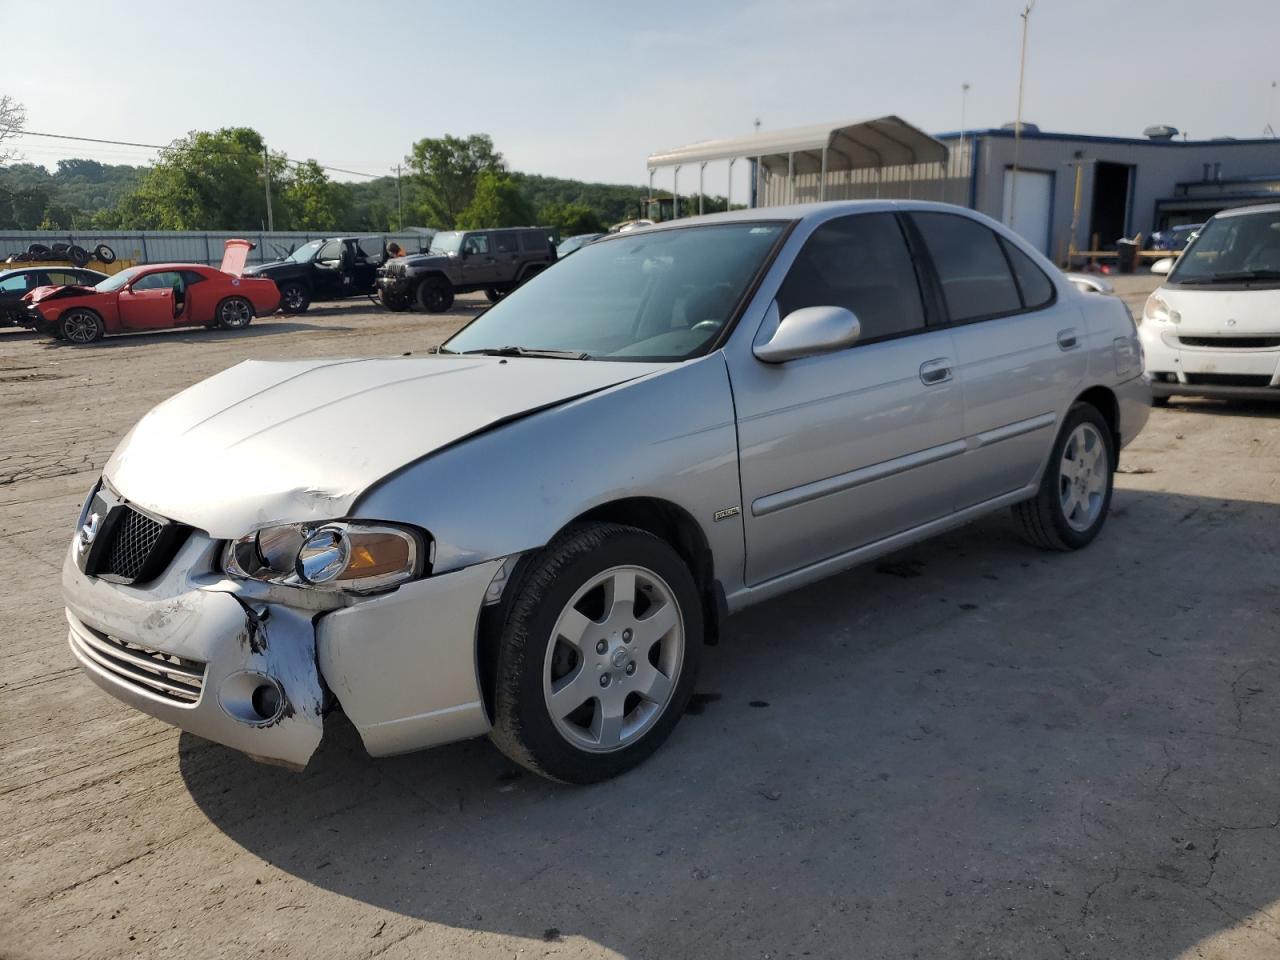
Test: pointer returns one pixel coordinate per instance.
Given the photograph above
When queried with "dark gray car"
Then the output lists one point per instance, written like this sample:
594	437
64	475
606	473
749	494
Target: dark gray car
459	261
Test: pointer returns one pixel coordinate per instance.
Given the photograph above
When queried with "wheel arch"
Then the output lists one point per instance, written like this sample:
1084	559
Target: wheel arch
1103	399
667	521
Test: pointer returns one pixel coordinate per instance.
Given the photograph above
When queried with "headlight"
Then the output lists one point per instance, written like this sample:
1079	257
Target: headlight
1157	309
337	555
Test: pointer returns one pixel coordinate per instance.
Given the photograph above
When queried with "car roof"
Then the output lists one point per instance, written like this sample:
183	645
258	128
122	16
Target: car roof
47	266
1245	211
173	266
815	212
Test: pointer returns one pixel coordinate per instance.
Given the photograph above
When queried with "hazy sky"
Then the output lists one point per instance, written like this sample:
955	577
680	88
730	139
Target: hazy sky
588	90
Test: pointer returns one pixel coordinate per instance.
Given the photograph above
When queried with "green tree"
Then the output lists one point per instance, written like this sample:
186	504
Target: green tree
205	181
498	202
448	169
312	201
571	218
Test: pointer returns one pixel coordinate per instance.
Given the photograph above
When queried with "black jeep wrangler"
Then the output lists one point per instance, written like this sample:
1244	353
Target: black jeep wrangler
324	270
459	261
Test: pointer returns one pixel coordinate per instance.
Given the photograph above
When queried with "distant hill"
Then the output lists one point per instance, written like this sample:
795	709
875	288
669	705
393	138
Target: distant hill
69	197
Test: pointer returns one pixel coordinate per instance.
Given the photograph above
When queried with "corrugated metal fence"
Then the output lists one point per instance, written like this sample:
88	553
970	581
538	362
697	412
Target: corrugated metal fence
179	246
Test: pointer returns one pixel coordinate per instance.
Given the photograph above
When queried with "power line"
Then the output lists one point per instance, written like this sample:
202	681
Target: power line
170	147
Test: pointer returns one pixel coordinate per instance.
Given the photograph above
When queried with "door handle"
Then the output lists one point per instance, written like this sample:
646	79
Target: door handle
1067	339
934	372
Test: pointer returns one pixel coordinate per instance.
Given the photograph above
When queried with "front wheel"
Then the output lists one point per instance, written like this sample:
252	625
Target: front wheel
294	297
493	294
599	655
234	313
435	295
81	327
1071	506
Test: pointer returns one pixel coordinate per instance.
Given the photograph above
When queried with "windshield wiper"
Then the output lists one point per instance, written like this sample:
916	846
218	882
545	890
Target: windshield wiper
1235	275
527	352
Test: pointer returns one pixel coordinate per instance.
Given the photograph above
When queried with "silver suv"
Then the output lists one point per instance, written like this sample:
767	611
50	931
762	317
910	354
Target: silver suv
460	261
533	533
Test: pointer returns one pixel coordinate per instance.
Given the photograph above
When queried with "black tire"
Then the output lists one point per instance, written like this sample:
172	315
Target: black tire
294	297
60	248
81	327
1159	401
1044	520
234	313
435	295
528	652
493	294
78	255
104	254
394	302
37	249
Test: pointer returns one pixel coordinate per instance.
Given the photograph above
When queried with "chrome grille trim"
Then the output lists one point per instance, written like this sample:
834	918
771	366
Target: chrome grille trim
174	678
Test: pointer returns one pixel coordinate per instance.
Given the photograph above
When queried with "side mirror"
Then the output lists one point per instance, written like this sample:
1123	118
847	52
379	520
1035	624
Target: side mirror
808	332
464	252
1162	266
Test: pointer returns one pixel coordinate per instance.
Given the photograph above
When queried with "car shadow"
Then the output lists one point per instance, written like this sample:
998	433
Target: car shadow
1227	408
967	748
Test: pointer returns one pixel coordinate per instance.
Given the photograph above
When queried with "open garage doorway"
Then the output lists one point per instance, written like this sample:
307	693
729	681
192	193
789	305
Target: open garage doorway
1109	214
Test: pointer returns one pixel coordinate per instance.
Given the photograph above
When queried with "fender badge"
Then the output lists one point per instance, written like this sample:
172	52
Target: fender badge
725	514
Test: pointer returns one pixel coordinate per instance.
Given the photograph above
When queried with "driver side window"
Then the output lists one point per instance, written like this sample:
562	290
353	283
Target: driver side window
330	251
476	243
861	263
164	280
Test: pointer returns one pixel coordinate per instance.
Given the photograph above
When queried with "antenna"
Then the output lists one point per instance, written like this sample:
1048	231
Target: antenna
757	120
1269	130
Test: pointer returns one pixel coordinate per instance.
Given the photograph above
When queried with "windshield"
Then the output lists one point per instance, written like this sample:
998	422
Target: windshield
1239	248
305	253
652	295
573	243
117	281
446	242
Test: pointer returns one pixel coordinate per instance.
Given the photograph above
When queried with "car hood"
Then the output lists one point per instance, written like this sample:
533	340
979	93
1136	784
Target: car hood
289	442
1206	311
420	259
49	293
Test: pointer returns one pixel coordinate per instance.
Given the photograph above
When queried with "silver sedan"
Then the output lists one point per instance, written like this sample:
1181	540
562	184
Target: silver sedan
533	533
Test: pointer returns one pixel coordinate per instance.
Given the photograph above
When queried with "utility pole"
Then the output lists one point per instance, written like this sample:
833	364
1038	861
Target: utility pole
1017	120
266	177
964	103
1269	130
399	202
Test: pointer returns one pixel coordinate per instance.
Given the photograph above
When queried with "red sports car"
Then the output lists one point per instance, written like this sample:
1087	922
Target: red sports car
155	297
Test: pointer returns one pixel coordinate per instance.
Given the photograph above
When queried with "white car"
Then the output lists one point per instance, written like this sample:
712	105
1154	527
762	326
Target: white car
1212	329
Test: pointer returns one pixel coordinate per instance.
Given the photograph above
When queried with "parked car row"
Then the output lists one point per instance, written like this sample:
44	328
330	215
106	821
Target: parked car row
705	413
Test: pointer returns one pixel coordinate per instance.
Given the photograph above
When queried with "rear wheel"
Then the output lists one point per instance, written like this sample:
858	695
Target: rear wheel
435	295
493	294
80	326
234	313
294	297
1070	507
599	655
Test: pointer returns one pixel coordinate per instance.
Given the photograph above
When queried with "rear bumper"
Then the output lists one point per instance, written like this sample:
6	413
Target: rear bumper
1133	398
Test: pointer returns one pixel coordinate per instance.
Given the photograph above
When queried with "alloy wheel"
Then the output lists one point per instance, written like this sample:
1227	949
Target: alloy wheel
1082	477
235	313
80	326
614	659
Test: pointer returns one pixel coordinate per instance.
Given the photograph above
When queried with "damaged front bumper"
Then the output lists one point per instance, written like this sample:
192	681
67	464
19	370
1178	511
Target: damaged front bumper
189	651
254	666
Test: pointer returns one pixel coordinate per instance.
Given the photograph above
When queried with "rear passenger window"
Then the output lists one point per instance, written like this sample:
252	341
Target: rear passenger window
860	263
504	241
532	240
975	276
1035	287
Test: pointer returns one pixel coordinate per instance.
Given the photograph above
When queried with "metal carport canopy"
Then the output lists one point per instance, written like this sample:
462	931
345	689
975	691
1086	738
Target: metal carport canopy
884	142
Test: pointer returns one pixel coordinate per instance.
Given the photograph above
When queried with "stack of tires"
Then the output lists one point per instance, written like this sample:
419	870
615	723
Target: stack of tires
64	252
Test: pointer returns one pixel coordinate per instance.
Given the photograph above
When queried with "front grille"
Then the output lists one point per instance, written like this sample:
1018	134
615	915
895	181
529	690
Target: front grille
1230	343
173	678
134	536
1229	379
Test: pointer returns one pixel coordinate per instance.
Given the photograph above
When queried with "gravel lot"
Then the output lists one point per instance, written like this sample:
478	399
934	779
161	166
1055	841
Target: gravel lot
972	749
